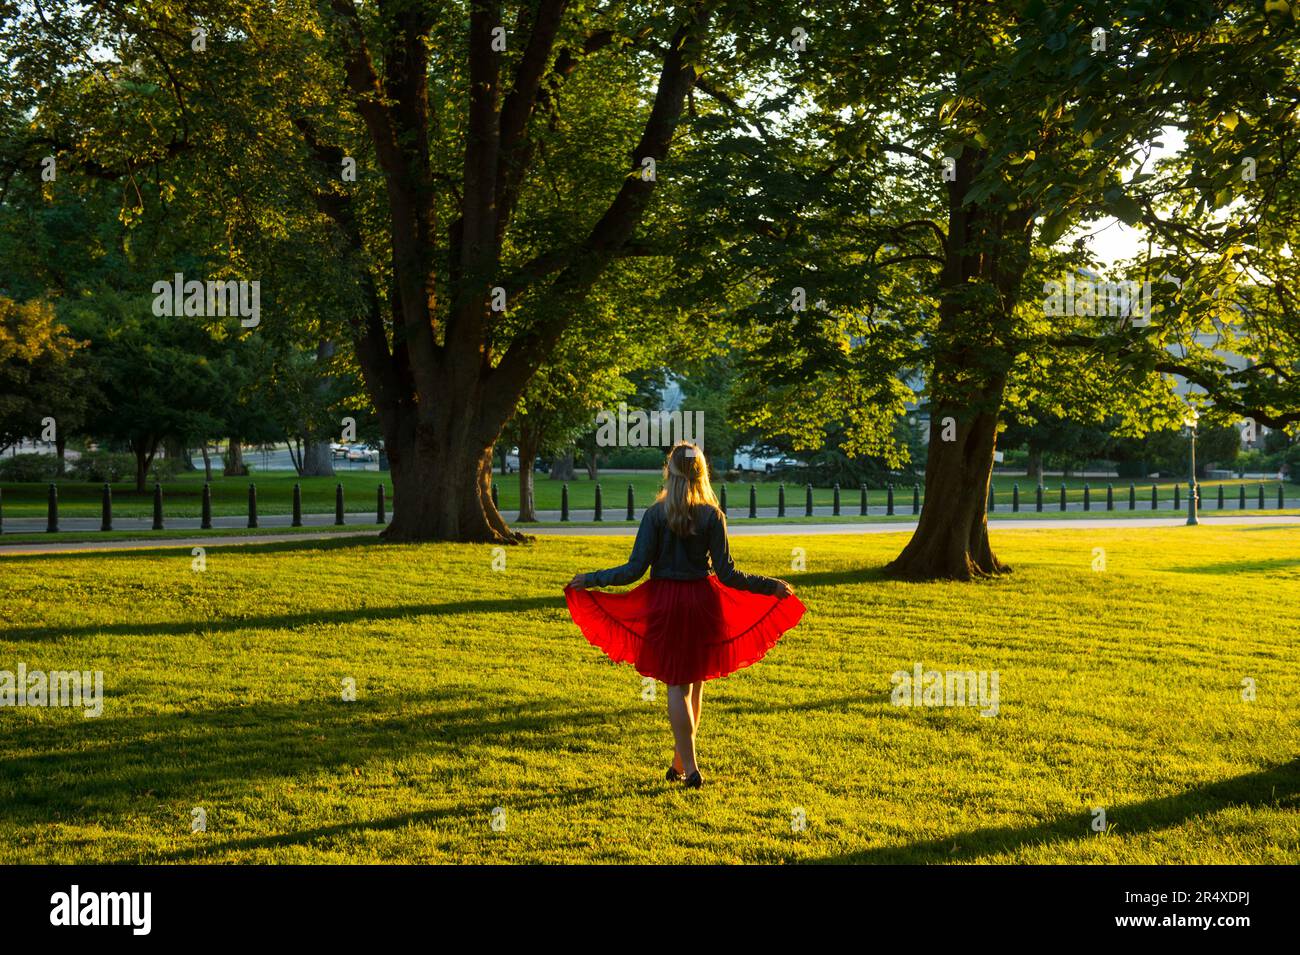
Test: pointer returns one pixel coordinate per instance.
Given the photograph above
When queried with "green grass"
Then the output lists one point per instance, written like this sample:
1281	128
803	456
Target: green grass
182	496
1119	689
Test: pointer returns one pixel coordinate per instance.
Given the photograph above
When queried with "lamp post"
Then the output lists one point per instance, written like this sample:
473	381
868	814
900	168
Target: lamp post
1190	421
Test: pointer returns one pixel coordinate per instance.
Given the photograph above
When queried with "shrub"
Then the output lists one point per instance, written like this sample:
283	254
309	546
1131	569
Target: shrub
114	466
102	466
29	467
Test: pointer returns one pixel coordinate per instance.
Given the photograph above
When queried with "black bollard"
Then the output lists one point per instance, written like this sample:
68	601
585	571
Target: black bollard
338	504
992	503
780	501
722	503
1015	497
564	502
631	504
1062	497
1220	501
836	502
1087	496
889	500
916	499
1132	496
1038	498
52	511
1241	497
297	505
157	507
206	522
1281	501
600	506
1155	497
862	509
753	500
1261	497
1110	497
106	508
1178	498
808	505
252	505
381	516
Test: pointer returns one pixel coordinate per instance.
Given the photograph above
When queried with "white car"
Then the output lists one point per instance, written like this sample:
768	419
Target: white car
361	452
338	450
512	461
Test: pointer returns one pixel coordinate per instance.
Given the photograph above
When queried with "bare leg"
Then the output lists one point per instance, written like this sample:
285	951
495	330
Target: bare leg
696	693
683	724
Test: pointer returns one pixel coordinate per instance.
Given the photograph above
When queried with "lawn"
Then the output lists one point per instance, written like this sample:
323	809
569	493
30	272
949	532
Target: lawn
1119	689
182	496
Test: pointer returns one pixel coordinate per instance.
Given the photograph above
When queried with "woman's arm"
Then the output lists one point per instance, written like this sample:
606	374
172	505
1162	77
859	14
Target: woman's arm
728	575
643	553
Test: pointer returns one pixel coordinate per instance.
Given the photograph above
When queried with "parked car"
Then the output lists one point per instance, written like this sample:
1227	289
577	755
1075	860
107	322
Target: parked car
361	452
338	450
512	461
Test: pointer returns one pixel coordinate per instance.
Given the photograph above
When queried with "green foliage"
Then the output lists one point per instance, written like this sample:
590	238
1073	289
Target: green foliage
42	373
29	467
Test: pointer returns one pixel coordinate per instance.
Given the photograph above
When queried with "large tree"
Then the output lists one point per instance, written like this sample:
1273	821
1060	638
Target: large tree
916	203
505	155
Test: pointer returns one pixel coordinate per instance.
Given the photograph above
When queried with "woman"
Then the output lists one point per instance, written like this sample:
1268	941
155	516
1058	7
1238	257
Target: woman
684	625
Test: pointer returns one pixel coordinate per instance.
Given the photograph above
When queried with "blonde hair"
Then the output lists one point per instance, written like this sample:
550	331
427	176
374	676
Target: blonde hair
686	484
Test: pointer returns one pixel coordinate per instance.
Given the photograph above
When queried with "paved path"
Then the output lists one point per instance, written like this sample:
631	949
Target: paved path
742	530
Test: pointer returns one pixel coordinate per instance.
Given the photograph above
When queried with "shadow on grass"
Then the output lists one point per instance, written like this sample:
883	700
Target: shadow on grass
167	547
842	704
1264	566
288	621
1276	786
86	770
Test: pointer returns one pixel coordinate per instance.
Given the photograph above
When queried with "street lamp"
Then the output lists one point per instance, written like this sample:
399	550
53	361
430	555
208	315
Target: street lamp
1190	422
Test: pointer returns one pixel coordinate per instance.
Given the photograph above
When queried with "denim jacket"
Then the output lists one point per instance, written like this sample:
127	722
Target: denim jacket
682	558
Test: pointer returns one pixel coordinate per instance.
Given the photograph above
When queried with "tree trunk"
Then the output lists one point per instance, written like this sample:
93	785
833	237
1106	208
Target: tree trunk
985	257
527	459
952	536
1035	469
144	454
235	466
317	461
562	467
207	463
442	490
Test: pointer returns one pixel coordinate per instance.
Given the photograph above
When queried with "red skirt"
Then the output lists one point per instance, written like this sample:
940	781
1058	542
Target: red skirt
683	631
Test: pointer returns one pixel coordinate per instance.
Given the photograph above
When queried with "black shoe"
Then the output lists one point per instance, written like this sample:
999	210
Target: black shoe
694	780
673	775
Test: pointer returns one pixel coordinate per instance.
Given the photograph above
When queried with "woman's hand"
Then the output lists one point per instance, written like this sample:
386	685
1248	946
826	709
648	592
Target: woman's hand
783	588
579	582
